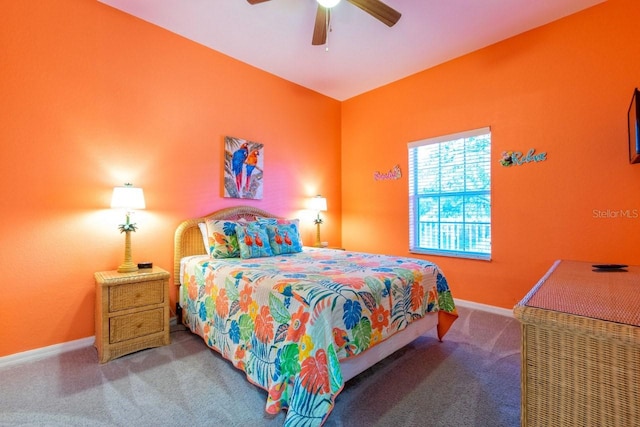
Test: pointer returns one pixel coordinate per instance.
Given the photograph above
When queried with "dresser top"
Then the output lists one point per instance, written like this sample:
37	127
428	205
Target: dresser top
574	287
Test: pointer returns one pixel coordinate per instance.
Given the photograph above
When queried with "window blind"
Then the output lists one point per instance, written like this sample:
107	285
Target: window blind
450	194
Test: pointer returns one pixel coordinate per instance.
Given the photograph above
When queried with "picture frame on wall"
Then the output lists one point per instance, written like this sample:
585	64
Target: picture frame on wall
243	168
633	117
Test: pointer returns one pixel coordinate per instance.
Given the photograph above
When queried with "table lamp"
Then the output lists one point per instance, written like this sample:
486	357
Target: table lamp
328	3
318	204
129	198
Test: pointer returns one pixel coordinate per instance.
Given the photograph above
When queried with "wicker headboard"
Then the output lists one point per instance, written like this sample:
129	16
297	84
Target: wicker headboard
188	238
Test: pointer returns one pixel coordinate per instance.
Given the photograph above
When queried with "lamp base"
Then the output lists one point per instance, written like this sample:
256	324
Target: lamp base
318	243
127	267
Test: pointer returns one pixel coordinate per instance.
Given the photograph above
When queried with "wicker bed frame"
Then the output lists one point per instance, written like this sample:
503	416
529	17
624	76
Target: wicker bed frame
188	241
188	238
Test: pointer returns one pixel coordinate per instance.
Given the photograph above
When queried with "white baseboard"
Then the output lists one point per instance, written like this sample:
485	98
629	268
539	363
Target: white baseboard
484	307
52	350
41	353
56	349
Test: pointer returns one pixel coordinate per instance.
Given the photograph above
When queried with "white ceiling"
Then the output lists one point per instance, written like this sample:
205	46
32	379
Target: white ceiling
363	53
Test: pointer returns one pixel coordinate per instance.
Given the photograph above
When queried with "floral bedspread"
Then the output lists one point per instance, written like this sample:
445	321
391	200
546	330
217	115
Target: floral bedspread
287	320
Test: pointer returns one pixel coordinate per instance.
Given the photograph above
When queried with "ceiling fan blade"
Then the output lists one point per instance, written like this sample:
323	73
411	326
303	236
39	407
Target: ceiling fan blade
256	1
378	10
320	27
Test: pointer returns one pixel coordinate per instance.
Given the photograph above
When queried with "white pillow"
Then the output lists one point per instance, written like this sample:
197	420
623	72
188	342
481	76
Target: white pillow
205	236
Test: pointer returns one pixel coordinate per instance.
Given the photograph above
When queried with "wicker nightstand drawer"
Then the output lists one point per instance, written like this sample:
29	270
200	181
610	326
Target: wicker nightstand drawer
132	312
135	325
133	295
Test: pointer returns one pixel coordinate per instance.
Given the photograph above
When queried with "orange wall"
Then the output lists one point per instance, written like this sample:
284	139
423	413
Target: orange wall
563	89
91	98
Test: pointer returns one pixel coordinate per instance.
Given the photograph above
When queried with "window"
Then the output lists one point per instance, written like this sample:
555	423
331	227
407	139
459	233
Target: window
450	195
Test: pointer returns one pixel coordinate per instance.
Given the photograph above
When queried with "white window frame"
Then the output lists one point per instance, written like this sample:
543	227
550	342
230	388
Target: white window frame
444	244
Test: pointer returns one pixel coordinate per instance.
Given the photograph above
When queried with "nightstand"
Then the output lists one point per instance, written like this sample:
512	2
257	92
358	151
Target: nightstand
132	311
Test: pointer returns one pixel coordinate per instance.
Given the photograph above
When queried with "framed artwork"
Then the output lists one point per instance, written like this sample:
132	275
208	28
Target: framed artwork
243	168
634	127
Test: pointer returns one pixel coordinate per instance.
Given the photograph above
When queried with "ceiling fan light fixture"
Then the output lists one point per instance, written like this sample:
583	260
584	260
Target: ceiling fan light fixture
328	3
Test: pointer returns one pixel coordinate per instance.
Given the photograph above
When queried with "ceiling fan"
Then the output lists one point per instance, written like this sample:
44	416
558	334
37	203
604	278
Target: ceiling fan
375	8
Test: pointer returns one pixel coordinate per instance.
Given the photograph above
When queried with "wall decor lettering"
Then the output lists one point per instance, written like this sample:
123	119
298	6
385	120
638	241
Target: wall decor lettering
394	173
243	168
516	158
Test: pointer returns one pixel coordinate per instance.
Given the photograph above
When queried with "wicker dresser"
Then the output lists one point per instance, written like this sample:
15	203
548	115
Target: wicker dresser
132	311
581	348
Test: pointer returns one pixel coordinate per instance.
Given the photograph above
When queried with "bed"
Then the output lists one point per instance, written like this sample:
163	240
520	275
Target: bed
299	321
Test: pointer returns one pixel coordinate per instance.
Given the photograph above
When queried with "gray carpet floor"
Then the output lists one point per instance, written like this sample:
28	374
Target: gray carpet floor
472	378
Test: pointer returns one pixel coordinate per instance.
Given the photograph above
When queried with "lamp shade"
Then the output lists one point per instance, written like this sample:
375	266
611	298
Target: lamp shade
328	3
318	203
127	197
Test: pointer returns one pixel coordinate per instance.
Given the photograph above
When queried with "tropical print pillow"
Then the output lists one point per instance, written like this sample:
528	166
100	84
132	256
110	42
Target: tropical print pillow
266	221
284	238
222	239
253	241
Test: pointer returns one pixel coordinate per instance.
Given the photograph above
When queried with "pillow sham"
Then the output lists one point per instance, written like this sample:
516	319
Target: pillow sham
262	220
273	221
222	241
295	221
205	236
253	241
284	238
